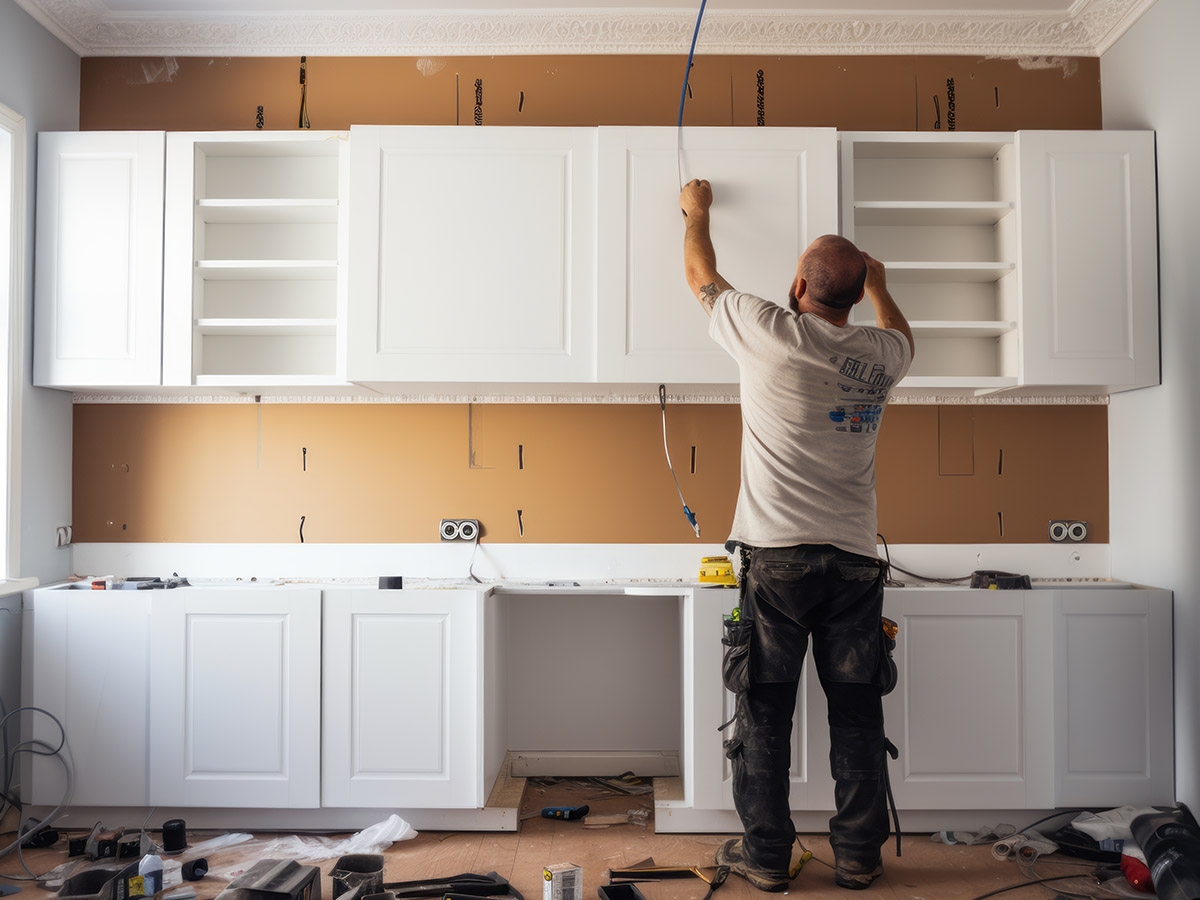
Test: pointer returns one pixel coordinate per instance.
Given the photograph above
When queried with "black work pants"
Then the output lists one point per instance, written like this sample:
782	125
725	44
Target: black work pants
837	597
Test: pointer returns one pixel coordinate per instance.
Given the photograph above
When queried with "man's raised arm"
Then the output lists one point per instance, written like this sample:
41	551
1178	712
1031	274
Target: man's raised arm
699	257
887	313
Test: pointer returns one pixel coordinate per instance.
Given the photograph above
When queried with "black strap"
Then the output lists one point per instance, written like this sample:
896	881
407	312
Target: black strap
719	879
894	752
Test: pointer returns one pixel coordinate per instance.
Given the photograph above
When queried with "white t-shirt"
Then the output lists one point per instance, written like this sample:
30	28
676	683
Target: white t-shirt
812	401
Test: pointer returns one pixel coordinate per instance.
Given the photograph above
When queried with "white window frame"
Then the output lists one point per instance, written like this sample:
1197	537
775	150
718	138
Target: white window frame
12	317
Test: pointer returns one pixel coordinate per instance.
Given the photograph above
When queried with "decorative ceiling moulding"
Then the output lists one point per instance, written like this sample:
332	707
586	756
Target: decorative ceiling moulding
91	29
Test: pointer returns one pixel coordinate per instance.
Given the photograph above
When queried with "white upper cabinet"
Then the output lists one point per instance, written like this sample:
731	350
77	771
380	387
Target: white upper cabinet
473	254
98	282
1089	264
255	274
774	190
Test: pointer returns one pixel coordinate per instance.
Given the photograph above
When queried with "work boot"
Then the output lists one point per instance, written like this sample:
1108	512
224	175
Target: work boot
730	854
856	881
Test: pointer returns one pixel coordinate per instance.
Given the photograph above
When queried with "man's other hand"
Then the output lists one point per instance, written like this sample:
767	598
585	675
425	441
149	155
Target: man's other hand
876	277
695	198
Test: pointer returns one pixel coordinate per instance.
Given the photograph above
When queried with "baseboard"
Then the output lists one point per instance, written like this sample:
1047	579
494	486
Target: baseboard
582	763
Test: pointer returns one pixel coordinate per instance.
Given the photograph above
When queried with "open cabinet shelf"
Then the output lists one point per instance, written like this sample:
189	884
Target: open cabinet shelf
265	270
940	212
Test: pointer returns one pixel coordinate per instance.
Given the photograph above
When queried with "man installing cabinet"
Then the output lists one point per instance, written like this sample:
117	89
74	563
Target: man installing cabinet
813	388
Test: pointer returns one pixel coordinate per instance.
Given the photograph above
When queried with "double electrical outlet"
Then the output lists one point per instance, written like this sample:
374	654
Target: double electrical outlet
459	529
1067	530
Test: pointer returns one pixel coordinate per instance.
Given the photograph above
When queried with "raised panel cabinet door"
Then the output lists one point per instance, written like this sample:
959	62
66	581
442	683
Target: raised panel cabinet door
774	191
402	699
235	699
98	284
472	254
967	663
1114	735
1088	258
91	666
708	774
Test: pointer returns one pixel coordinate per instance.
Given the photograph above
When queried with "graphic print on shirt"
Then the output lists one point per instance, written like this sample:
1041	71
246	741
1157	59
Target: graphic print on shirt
867	381
861	418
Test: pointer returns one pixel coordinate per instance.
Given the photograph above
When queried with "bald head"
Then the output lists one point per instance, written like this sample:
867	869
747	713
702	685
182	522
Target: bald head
834	271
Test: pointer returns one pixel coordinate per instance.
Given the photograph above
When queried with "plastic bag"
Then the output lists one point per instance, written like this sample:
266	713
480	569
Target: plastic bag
374	839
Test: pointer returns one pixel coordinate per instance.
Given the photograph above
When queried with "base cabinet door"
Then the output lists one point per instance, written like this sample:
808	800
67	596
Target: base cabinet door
472	254
98	284
774	191
708	775
1089	264
974	668
402	699
235	698
1114	739
90	668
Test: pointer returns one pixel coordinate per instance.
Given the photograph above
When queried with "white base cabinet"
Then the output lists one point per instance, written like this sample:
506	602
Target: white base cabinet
402	691
236	697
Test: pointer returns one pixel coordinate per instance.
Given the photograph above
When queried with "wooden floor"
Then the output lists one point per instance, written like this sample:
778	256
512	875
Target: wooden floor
926	871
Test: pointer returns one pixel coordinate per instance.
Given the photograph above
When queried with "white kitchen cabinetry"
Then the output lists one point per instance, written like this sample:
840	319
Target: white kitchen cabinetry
98	282
473	256
971	711
774	191
1089	258
939	211
90	667
1112	693
403	699
235	698
708	774
255	273
1023	259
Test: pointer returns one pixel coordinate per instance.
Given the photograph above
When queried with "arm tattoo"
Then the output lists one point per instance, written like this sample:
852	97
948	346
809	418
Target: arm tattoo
708	295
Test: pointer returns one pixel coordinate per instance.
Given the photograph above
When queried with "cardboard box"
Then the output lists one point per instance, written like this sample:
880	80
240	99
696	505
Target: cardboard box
562	881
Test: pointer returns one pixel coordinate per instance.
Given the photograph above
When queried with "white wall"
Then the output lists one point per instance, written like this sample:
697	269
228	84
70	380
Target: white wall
1149	80
39	79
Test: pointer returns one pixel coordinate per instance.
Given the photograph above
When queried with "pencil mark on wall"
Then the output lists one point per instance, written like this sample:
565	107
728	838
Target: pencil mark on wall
949	104
761	100
478	101
302	529
303	459
520	456
1000	467
521	102
937	110
520	523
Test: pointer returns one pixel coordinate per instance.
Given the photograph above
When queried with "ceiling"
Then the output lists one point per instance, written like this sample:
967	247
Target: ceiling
1018	28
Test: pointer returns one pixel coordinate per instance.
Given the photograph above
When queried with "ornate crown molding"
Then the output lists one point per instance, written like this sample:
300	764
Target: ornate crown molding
91	29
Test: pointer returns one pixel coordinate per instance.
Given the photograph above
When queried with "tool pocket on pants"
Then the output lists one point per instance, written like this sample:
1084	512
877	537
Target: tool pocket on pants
735	661
887	676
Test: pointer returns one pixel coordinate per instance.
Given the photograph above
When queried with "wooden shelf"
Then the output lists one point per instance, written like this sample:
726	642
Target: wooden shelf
267	212
269	380
254	269
259	327
909	272
960	381
902	212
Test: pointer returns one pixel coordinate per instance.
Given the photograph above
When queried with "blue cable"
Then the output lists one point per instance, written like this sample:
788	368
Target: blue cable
683	95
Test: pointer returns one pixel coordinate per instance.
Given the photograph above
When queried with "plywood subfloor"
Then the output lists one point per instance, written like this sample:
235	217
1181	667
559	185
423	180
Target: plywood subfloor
926	871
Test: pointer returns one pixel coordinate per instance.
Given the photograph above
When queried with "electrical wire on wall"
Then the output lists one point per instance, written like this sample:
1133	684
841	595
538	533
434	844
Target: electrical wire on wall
691	516
683	96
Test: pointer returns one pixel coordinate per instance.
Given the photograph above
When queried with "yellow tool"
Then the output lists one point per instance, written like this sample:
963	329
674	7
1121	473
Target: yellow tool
717	570
799	858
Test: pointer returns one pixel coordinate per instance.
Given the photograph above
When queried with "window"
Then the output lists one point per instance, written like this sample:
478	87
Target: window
12	301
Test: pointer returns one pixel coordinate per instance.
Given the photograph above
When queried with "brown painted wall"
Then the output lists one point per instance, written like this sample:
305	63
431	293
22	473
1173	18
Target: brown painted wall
869	93
592	473
578	473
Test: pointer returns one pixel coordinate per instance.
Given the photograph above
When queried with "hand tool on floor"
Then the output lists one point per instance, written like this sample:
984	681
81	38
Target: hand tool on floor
565	812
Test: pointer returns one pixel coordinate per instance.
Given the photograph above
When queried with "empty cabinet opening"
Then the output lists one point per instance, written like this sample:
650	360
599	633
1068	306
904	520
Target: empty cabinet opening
593	683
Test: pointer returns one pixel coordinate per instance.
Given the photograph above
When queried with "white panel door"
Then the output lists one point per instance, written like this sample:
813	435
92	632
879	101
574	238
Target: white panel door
235	701
91	666
472	254
1088	258
967	662
774	190
403	717
1114	736
98	284
707	773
